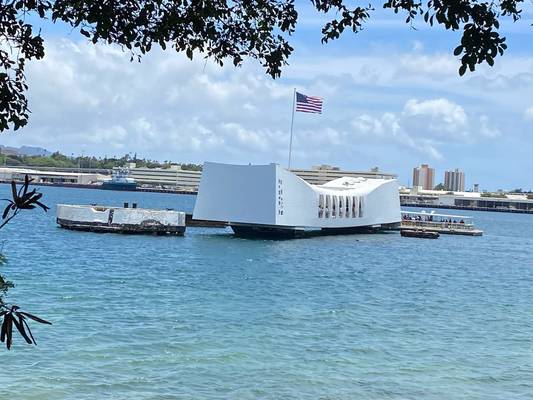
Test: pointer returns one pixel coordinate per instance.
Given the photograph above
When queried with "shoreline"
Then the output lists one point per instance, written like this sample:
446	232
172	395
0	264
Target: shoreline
189	192
450	207
99	187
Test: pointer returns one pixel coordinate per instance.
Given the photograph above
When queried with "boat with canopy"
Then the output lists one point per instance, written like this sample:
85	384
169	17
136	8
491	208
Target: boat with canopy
441	223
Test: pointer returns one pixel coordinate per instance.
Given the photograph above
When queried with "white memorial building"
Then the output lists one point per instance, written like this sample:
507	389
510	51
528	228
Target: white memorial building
269	200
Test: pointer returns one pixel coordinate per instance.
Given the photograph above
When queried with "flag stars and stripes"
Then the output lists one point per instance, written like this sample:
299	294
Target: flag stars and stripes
308	104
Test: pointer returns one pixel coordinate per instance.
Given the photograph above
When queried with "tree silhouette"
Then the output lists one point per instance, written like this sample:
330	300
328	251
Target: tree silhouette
11	314
223	30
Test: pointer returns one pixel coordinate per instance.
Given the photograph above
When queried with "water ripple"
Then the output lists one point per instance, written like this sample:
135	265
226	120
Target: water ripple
209	316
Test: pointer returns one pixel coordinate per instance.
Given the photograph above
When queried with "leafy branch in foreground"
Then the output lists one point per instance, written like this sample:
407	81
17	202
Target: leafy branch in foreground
18	318
22	199
4	284
225	31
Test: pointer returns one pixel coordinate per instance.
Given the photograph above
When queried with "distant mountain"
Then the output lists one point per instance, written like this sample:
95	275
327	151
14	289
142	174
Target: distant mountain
25	151
34	151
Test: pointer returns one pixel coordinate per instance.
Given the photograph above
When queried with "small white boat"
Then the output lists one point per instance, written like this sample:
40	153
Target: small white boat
440	223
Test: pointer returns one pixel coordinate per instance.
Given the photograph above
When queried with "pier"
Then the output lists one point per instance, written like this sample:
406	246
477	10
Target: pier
95	218
203	223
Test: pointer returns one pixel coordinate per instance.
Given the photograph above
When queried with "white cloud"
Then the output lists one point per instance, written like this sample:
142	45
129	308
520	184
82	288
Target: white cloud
418	45
424	126
486	129
379	108
92	98
435	66
449	116
528	114
439	119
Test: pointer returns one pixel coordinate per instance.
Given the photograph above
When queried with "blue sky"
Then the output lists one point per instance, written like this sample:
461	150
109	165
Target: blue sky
392	99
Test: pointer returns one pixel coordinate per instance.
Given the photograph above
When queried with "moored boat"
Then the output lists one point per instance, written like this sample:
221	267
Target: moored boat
440	223
120	181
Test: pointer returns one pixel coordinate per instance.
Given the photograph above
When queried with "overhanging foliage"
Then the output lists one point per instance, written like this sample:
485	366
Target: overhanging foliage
223	30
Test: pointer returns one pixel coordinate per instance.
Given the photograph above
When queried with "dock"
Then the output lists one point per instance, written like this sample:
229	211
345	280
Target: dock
422	234
132	220
203	223
439	223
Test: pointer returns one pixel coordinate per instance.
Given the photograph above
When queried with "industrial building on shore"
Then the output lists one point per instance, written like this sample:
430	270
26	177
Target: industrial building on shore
189	180
424	176
454	181
8	174
505	202
173	177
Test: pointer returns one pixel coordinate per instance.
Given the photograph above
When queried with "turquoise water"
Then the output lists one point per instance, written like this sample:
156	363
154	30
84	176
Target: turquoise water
209	316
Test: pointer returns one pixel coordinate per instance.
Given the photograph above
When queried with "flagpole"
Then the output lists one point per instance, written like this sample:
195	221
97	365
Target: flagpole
292	125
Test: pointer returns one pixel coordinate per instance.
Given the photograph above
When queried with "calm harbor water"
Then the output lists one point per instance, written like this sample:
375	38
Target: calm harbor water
210	316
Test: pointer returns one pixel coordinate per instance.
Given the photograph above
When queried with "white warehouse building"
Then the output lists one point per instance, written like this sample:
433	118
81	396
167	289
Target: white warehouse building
8	174
190	180
173	176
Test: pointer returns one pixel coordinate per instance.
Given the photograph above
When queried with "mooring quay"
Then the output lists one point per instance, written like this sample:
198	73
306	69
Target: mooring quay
95	218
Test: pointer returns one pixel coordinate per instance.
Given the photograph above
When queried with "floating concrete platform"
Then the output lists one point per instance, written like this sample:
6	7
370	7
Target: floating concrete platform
120	219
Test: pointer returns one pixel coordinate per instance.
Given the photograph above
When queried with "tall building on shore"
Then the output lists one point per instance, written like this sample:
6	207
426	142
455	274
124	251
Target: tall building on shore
454	181
424	176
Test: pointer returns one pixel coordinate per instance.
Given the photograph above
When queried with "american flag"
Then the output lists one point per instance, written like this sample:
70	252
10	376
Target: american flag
308	104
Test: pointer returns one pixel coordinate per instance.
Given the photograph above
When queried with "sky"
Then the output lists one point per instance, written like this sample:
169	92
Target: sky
393	99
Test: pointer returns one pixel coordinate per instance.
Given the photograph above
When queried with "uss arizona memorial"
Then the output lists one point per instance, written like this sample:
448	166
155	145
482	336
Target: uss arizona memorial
260	200
268	199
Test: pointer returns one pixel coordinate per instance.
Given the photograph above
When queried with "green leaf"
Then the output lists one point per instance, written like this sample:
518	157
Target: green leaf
20	327
35	318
